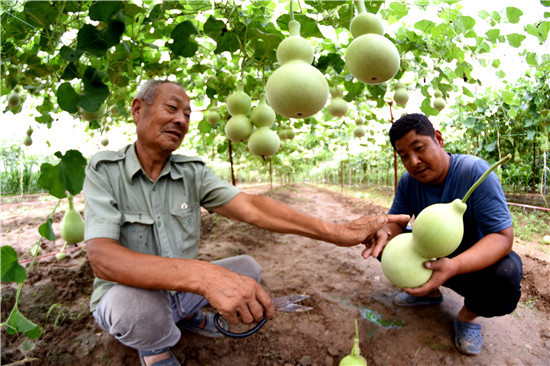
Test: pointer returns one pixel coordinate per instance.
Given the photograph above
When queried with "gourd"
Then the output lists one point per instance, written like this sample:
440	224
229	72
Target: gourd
338	106
72	225
213	116
400	96
370	57
264	142
296	89
359	131
104	141
439	102
286	133
437	232
354	358
262	114
238	104
27	141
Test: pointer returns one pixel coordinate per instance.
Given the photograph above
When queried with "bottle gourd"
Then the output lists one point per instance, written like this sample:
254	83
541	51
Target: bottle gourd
72	225
437	232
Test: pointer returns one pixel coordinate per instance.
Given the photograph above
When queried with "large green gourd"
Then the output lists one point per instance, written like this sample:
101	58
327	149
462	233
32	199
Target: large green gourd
72	225
296	89
437	232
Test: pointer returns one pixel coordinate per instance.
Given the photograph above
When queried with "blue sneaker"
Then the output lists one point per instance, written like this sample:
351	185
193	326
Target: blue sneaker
468	337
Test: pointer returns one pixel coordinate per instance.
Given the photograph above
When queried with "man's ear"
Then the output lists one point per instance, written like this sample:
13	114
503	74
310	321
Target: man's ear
439	138
137	109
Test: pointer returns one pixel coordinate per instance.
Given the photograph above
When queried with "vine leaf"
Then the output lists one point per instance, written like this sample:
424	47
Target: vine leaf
46	230
11	270
67	175
18	323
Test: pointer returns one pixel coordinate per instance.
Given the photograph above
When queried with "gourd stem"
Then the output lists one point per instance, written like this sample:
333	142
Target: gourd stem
291	10
70	197
482	178
360	5
355	351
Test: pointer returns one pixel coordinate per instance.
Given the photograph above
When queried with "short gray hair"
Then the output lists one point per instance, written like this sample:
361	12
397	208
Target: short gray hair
148	89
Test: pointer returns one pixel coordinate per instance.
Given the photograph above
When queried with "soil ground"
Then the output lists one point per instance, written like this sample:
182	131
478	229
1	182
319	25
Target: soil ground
341	284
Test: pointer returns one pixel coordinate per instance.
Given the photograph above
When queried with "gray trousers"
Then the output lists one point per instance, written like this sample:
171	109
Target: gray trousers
146	319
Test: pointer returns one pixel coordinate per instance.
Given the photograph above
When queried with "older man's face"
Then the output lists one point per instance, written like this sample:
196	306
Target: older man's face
163	124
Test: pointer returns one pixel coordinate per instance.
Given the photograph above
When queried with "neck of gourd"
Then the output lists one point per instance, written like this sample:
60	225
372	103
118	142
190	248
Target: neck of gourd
360	5
70	197
294	28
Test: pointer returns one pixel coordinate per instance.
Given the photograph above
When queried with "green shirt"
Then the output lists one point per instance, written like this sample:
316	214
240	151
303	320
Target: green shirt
160	218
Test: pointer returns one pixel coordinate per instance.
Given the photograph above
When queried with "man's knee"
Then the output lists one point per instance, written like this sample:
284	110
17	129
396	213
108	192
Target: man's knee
242	264
132	315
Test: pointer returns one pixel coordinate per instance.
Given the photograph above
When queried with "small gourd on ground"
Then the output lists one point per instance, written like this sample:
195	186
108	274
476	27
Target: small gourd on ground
354	358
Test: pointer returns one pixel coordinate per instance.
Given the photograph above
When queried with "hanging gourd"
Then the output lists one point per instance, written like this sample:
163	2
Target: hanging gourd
338	107
213	116
400	96
262	114
238	104
437	232
370	57
439	102
264	142
296	89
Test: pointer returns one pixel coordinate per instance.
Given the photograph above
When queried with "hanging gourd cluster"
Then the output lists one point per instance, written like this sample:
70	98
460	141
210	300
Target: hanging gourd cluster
299	90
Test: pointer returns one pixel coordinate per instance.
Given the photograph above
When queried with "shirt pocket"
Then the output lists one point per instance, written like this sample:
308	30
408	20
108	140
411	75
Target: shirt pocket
188	222
137	232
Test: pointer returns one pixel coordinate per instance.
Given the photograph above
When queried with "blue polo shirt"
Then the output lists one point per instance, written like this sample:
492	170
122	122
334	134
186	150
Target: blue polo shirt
487	211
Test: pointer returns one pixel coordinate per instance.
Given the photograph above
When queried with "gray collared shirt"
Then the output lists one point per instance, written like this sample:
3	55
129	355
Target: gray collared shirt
159	217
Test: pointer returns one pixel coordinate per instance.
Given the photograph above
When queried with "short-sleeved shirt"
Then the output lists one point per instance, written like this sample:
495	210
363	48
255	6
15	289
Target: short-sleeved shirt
159	217
487	211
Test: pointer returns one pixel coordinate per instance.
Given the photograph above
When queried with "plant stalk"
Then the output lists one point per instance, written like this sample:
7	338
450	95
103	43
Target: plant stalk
482	178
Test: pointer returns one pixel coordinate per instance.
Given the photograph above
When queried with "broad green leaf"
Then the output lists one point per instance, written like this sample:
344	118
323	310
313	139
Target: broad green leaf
513	14
95	91
113	32
204	126
91	40
18	323
501	74
67	175
424	25
399	10
67	98
427	108
515	39
532	59
492	35
104	10
46	230
69	54
11	270
40	13
467	92
508	96
469	122
539	30
464	23
491	146
308	26
496	63
181	44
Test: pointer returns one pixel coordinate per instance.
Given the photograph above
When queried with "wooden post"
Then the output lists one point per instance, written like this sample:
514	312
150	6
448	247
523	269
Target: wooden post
231	162
394	155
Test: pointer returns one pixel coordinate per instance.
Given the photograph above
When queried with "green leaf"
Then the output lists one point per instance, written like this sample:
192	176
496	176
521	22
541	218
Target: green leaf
11	270
46	230
181	44
18	323
40	13
491	146
67	98
467	92
204	126
104	10
513	14
464	23
424	25
539	30
508	97
113	32
469	122
515	39
67	175
492	35
532	59
308	26
501	74
95	91
89	39
69	54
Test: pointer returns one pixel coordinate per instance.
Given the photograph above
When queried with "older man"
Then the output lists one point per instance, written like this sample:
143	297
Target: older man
142	233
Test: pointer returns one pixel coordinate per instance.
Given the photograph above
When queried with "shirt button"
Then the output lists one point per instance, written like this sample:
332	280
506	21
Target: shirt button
154	188
159	223
189	220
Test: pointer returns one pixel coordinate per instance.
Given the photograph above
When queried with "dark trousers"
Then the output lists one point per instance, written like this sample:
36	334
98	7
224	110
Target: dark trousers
492	291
